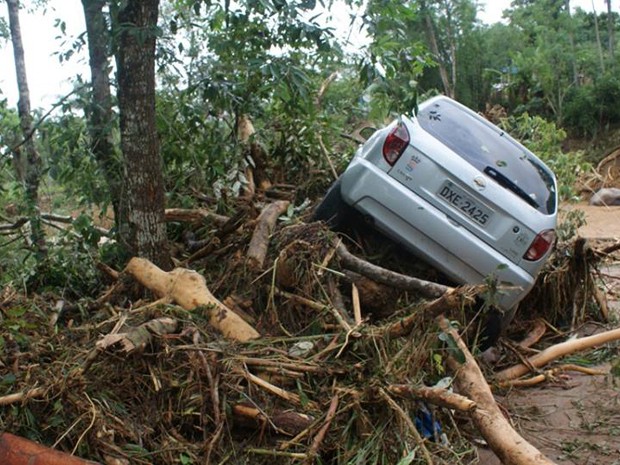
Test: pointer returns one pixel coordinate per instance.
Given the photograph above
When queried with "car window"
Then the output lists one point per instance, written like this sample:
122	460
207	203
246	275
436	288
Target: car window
486	147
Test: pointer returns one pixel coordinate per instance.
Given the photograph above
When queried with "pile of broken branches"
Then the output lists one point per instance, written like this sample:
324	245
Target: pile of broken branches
310	354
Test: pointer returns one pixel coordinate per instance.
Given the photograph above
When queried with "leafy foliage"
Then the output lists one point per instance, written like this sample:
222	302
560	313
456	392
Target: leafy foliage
68	270
592	107
261	59
9	138
70	161
395	60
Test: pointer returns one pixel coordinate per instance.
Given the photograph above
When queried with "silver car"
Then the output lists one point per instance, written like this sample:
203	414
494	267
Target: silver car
457	191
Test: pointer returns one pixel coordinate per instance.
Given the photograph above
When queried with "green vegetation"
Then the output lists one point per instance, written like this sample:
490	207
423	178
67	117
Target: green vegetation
547	73
276	64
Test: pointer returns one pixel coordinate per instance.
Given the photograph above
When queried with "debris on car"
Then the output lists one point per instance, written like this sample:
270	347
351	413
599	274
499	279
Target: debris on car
457	191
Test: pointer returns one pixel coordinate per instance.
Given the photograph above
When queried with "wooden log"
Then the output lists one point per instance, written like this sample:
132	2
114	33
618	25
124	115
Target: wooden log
278	391
611	249
388	277
282	421
559	350
313	452
15	450
193	216
340	315
22	396
550	375
257	250
188	289
434	395
506	443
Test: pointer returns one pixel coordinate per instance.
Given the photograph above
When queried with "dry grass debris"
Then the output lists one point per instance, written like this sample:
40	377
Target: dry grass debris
320	386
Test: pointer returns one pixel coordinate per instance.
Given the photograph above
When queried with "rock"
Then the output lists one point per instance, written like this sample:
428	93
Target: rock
607	196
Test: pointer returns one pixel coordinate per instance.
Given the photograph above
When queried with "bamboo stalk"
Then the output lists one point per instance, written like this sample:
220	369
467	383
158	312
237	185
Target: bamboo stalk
22	396
278	391
559	350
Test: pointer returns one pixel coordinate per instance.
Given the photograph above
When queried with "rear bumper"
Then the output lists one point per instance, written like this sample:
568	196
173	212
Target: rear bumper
429	233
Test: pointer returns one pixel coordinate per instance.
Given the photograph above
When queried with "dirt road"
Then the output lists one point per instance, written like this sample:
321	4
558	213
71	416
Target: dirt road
601	222
575	419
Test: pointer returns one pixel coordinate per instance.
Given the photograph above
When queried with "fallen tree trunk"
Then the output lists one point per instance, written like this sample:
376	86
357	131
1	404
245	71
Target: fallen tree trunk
388	277
15	450
505	442
189	290
257	250
559	350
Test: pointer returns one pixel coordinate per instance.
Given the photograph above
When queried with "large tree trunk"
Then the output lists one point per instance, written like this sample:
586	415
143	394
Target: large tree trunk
100	115
32	161
571	39
143	199
432	38
598	39
451	33
610	30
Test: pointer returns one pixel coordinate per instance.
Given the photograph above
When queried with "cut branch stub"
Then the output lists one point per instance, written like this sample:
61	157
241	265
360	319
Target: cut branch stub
257	250
286	422
189	289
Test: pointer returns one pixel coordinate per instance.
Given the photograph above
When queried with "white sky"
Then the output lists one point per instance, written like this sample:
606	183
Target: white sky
48	79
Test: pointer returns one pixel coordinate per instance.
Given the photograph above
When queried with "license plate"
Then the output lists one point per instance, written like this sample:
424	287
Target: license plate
456	198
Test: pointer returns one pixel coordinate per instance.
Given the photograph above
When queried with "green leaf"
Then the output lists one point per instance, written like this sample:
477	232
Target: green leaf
408	459
8	379
15	312
302	395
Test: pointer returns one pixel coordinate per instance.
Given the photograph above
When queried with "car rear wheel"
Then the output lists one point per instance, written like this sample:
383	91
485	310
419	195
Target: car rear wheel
332	209
495	326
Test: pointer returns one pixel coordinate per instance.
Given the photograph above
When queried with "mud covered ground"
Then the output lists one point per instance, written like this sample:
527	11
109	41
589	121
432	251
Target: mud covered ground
575	419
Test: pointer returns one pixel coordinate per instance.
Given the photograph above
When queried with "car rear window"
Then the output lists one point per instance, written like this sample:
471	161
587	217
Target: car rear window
485	146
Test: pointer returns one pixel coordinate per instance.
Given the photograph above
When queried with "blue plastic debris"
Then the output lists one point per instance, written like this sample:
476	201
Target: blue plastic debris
426	424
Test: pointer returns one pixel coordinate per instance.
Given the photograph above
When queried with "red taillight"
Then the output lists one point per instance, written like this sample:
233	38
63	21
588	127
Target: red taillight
541	244
395	143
